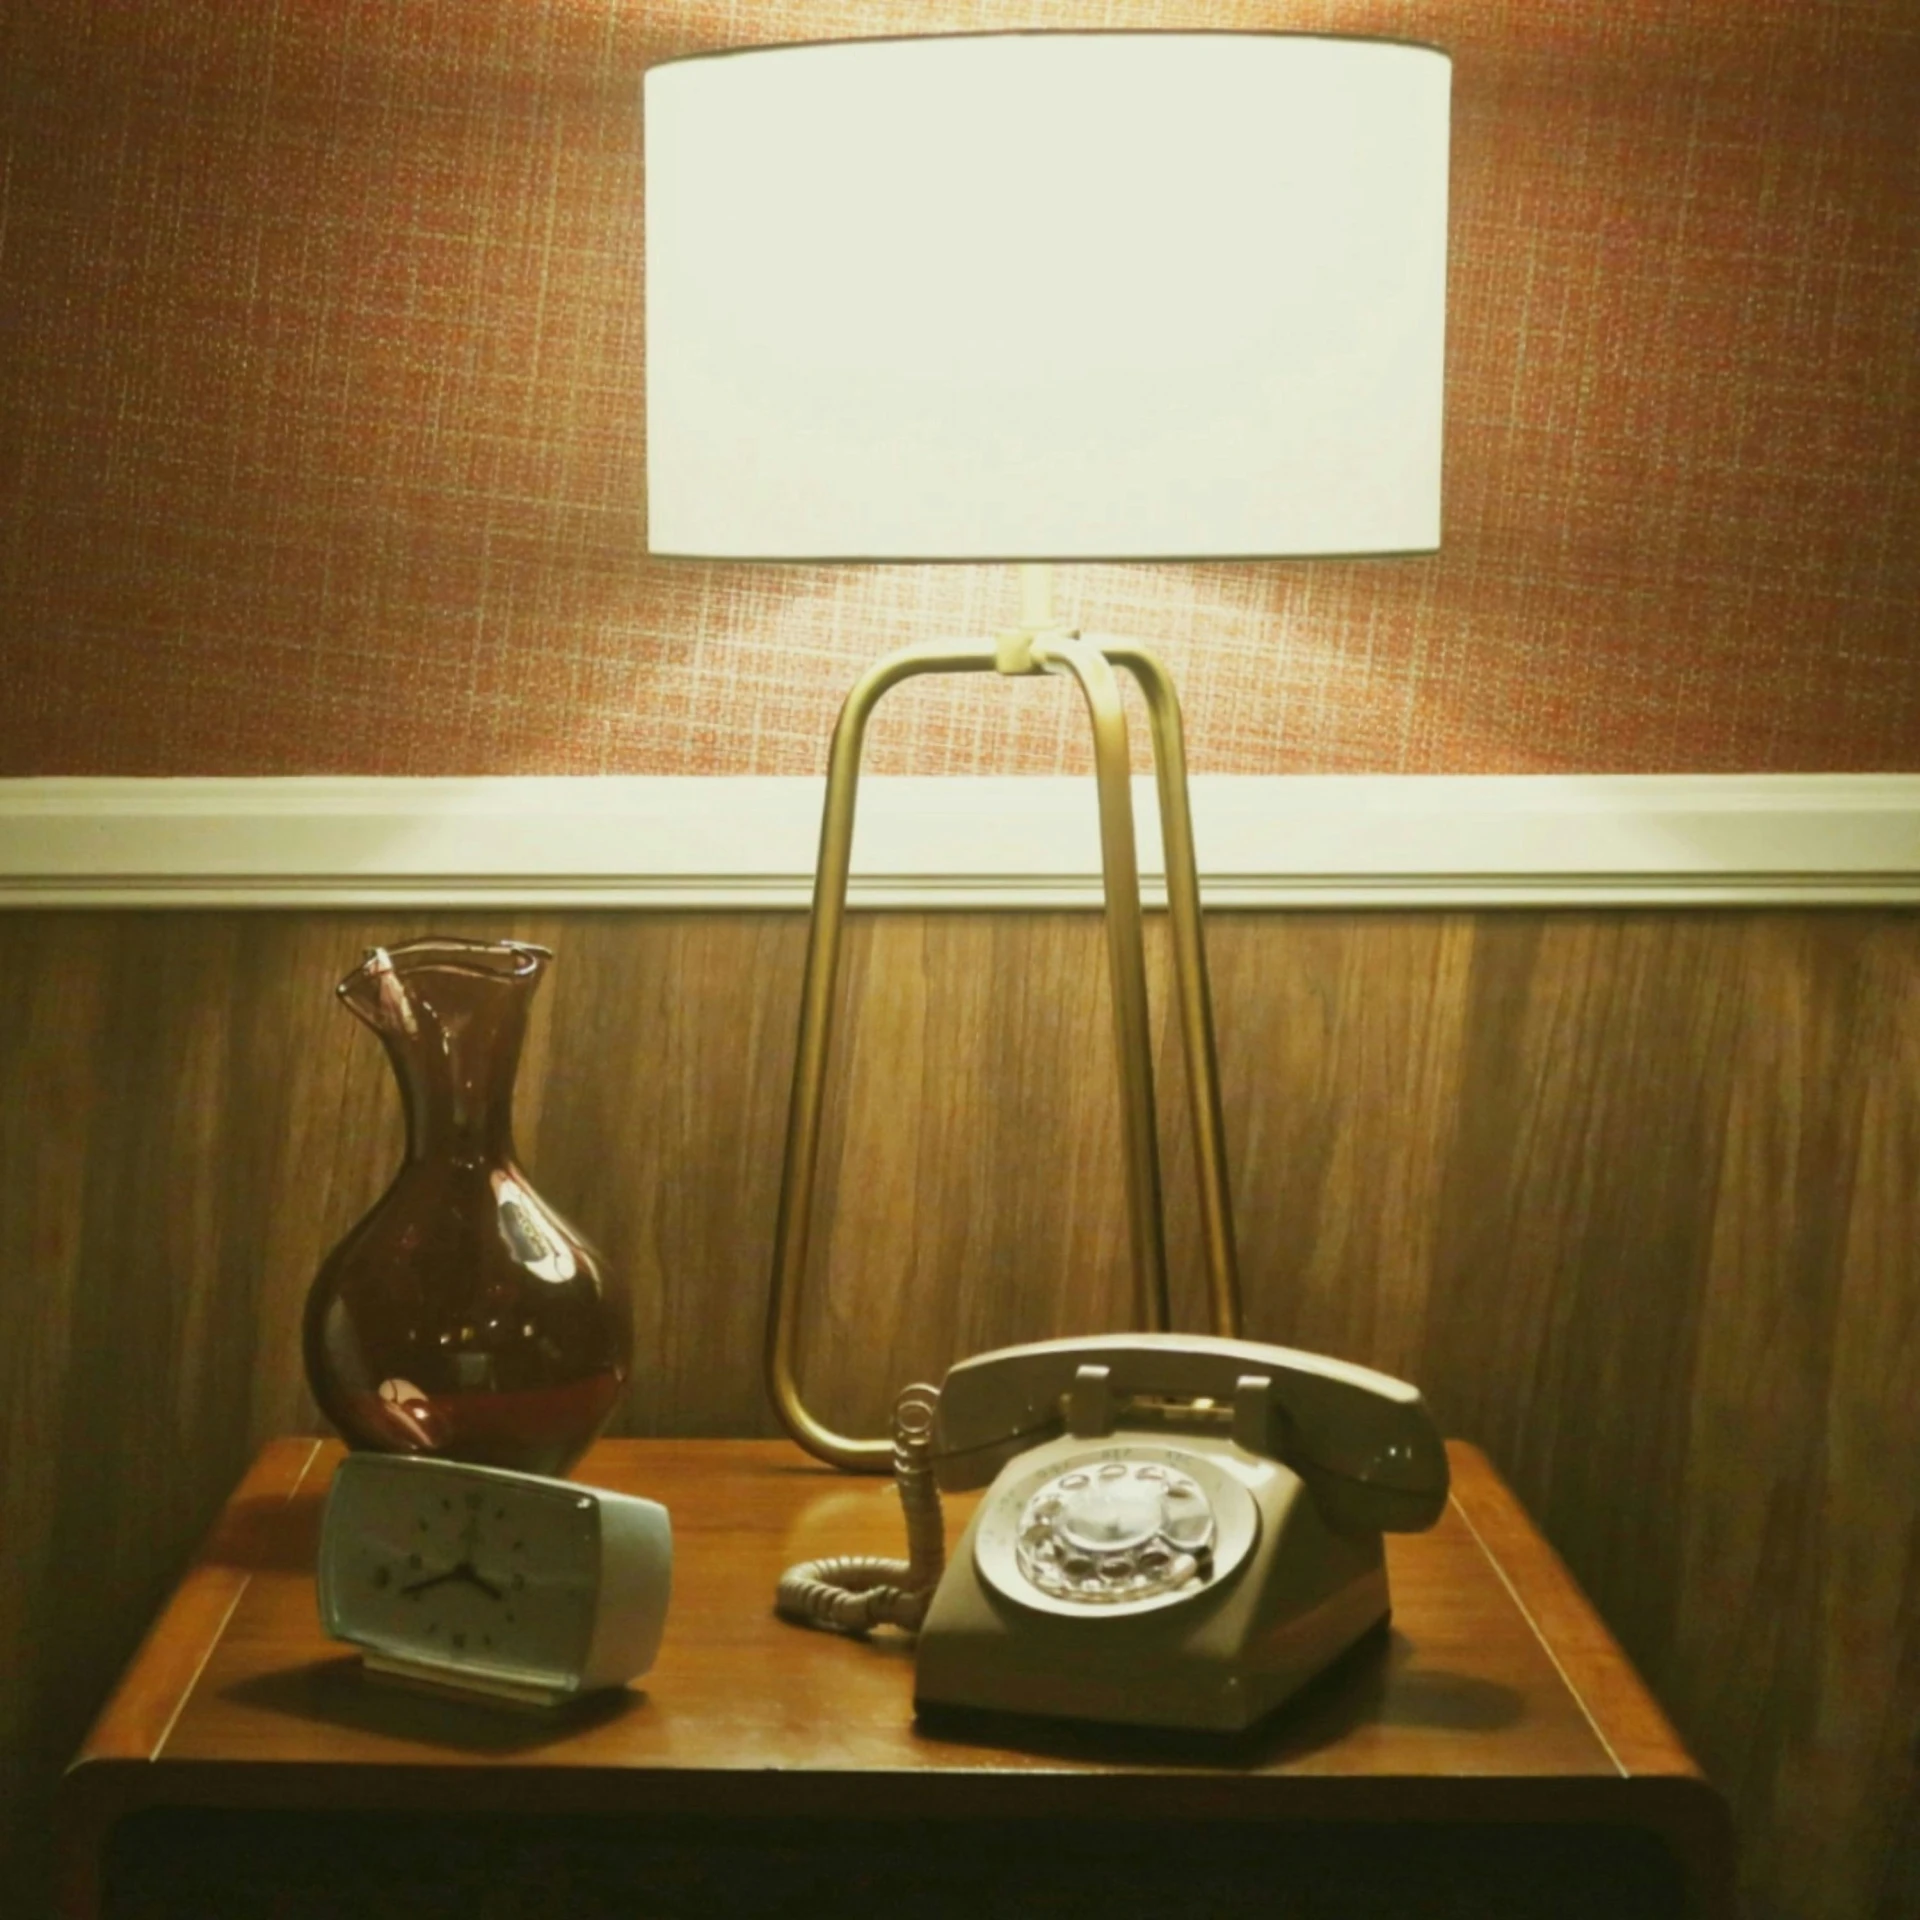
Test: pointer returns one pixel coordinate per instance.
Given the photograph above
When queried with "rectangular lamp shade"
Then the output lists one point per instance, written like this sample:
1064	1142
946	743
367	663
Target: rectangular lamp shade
1047	296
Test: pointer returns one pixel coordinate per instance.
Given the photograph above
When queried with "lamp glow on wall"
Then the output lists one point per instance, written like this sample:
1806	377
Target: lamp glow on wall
1035	297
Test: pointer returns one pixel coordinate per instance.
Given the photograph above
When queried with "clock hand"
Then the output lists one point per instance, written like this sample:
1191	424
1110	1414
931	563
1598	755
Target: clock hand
433	1580
469	1539
464	1571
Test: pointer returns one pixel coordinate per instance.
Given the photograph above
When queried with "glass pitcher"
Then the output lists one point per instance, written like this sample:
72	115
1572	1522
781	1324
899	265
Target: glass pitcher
462	1316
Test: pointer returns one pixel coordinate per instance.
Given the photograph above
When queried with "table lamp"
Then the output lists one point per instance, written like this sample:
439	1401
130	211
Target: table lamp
1035	297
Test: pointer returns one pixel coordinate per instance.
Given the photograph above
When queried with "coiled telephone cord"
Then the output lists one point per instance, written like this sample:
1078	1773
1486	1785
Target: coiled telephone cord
851	1593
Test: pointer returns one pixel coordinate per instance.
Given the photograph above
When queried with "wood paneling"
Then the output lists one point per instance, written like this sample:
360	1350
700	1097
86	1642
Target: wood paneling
1634	1197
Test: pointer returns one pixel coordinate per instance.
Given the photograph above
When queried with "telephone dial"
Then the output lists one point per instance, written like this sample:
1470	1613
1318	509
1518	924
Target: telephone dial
1181	1531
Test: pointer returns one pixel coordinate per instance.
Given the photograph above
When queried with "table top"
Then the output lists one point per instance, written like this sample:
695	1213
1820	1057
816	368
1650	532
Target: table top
1496	1693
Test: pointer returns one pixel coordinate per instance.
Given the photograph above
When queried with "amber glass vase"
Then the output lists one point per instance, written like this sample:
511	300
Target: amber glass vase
463	1316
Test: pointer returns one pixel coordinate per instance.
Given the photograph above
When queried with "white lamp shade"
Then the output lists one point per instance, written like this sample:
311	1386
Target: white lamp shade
1047	296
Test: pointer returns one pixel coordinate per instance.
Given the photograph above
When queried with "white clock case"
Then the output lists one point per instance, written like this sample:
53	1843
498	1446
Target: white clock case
632	1582
636	1582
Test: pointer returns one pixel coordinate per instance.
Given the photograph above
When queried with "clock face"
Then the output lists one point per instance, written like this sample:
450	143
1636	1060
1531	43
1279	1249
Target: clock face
441	1563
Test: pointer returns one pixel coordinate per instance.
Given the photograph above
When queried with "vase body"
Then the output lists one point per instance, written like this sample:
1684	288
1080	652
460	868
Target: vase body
462	1316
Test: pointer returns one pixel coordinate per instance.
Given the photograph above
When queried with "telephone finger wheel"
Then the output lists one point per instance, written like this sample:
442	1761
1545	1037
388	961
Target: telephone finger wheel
1116	1531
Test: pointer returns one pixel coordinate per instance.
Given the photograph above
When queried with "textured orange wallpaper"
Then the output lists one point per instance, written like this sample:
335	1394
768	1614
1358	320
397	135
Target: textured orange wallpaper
321	443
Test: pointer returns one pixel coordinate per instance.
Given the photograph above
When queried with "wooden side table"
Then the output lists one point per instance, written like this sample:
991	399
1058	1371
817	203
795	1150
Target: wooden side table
1492	1754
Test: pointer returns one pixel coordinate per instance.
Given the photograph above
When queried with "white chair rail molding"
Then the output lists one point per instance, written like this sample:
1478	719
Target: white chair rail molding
951	842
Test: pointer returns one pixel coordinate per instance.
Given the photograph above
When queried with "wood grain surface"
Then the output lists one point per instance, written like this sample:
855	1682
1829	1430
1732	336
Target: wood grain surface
1495	1699
1633	1197
1466	1690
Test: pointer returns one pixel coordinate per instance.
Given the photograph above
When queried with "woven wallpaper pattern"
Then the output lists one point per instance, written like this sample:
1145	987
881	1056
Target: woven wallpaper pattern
321	437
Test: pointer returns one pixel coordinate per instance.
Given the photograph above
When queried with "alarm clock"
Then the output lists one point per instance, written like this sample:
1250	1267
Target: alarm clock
504	1584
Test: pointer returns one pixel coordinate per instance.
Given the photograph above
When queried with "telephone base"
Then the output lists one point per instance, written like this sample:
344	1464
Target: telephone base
1221	1743
1218	1662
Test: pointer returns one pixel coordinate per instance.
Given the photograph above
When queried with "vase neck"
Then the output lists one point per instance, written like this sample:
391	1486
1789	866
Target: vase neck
458	1105
452	1020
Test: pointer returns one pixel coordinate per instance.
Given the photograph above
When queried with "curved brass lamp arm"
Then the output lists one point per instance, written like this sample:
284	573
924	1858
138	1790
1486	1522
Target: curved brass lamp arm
1191	983
793	1226
1126	965
1051	651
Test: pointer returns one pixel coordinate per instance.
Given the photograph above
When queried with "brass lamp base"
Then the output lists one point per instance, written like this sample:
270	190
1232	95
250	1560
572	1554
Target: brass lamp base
1037	646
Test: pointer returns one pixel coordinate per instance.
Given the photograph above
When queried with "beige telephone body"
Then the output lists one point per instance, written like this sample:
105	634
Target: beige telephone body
1182	1530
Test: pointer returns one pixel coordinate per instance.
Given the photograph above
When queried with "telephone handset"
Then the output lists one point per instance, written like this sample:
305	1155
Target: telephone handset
1181	1530
1363	1440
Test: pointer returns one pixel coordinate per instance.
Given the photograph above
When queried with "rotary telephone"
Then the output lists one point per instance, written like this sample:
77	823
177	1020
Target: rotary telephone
1181	1530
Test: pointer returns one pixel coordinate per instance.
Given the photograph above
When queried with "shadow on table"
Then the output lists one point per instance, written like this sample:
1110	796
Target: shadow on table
342	1693
1374	1683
